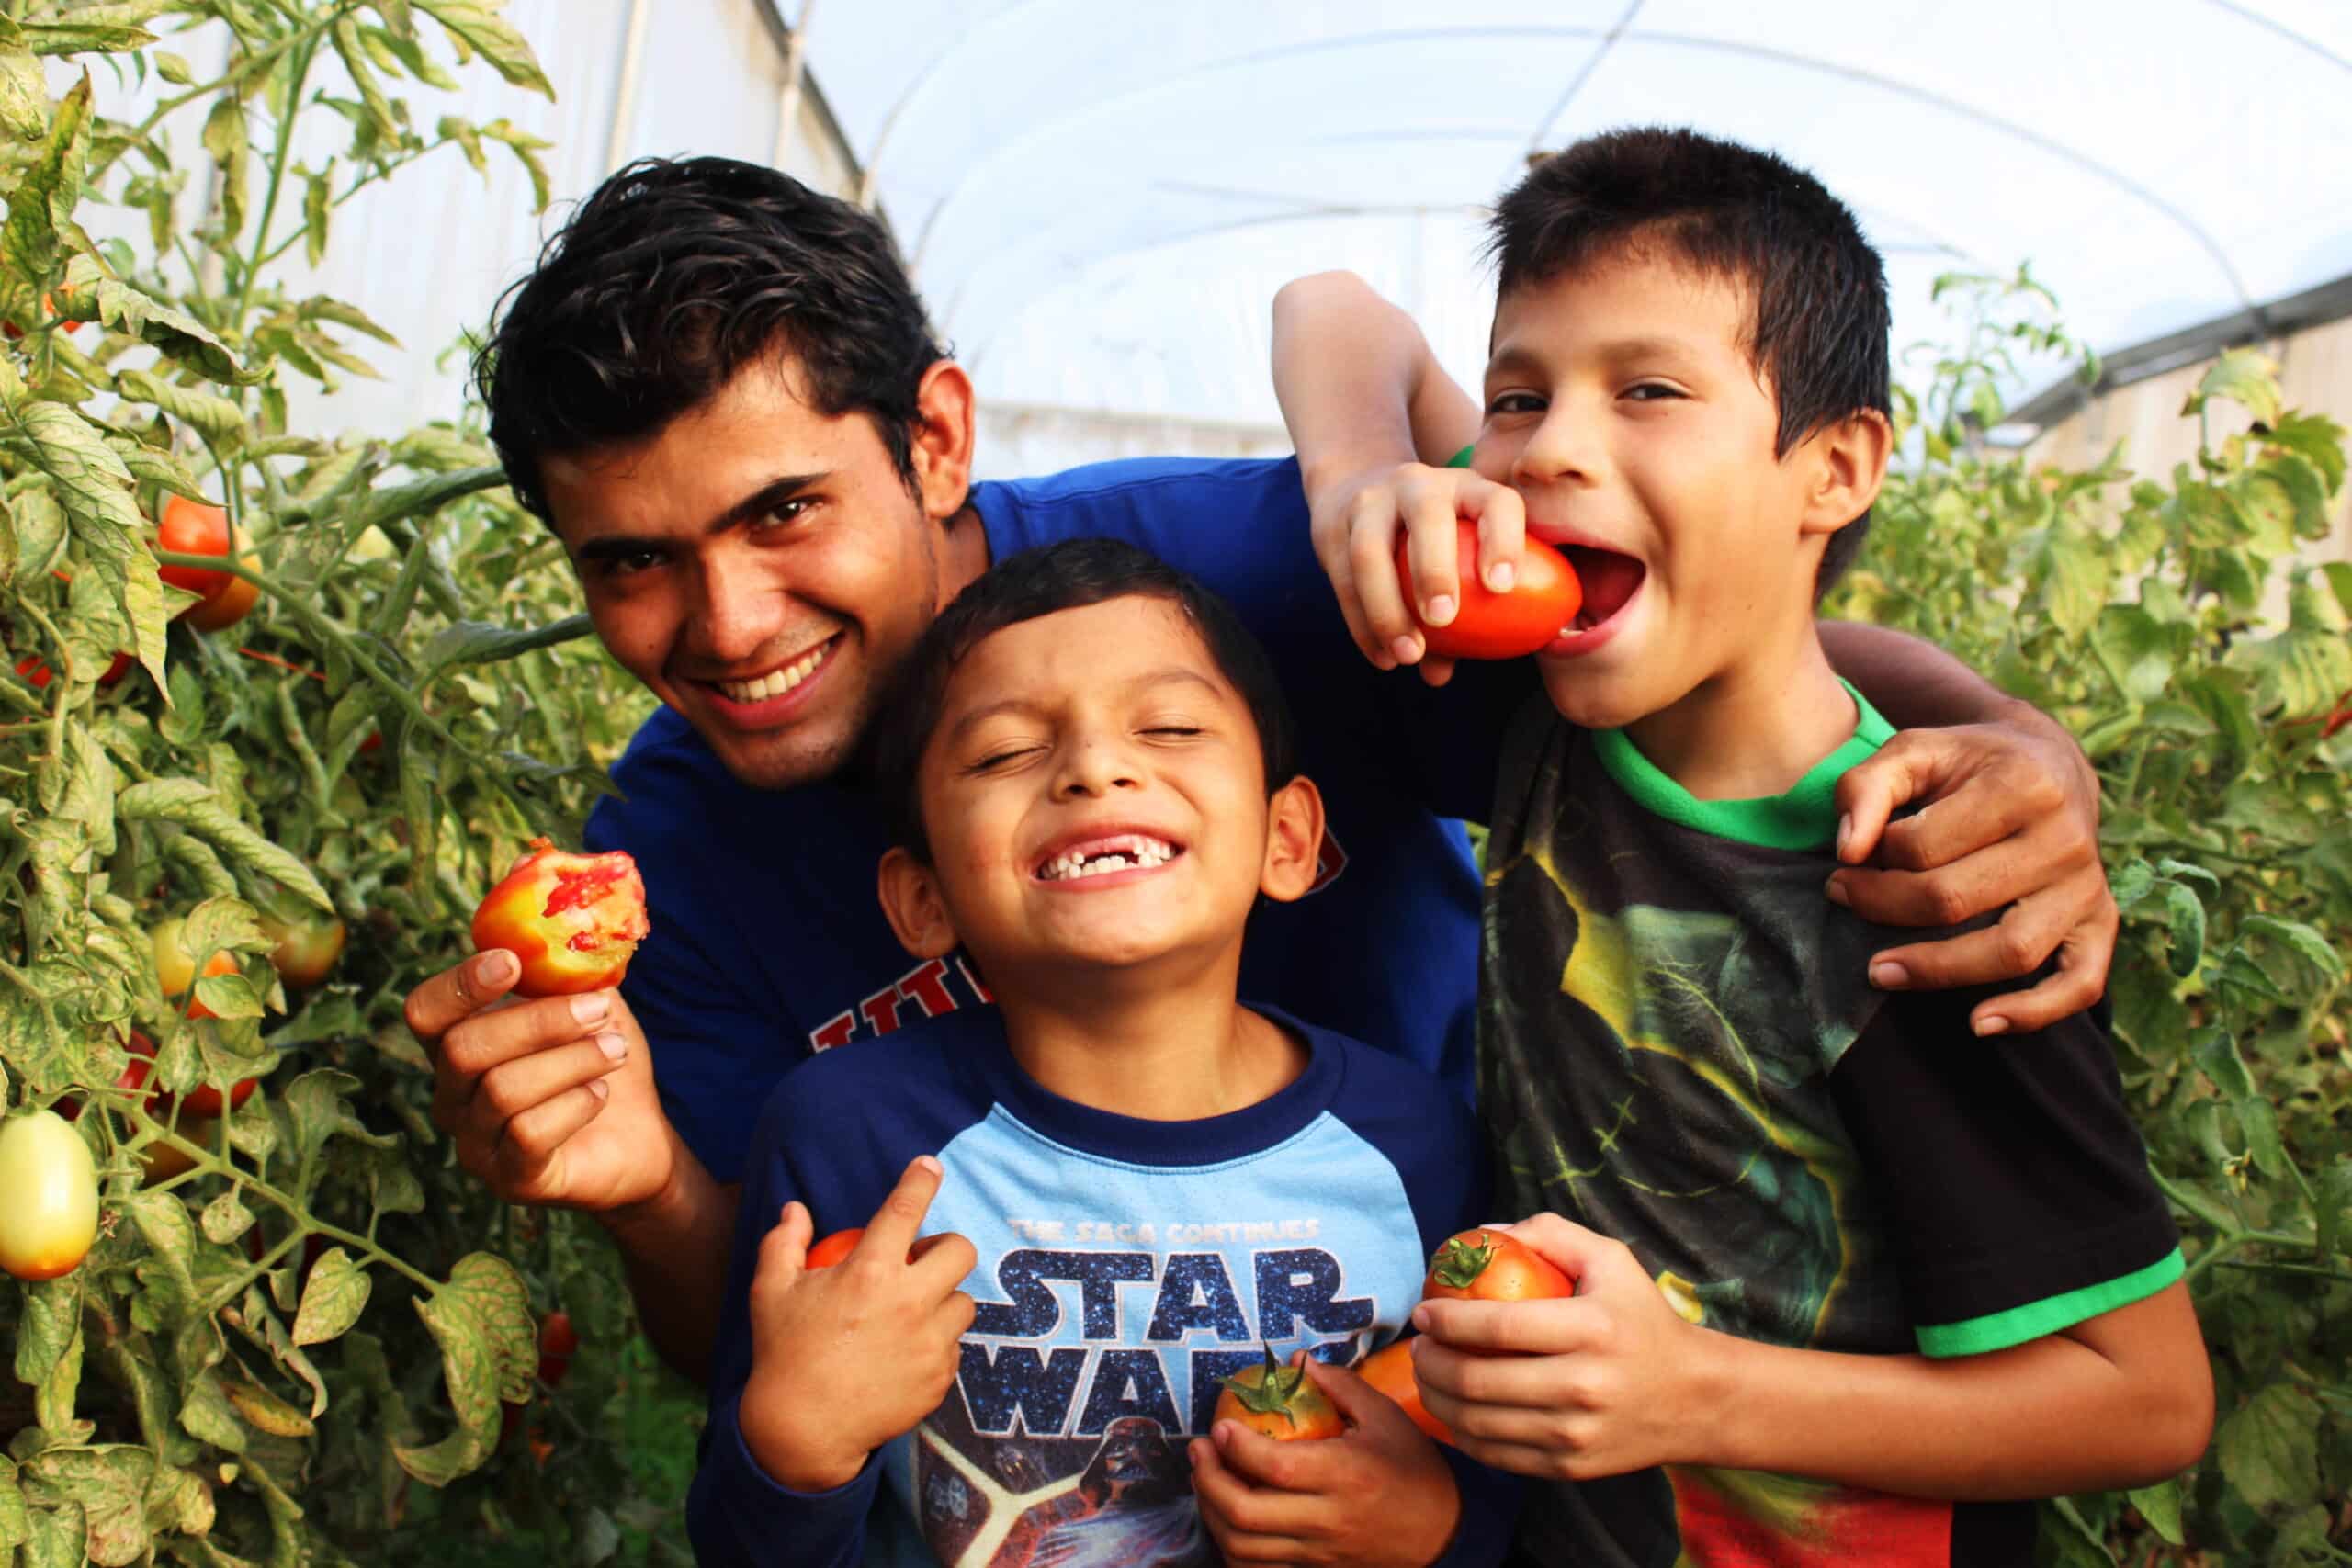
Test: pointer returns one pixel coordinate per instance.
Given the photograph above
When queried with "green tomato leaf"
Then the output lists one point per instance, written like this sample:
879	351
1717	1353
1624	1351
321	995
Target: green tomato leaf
2160	1506
334	1299
473	25
2268	1447
2187	914
2246	377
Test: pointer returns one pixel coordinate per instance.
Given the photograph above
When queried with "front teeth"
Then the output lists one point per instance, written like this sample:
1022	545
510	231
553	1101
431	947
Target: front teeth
1125	853
775	682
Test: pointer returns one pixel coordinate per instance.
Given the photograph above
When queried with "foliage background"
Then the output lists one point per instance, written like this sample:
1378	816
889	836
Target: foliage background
304	1346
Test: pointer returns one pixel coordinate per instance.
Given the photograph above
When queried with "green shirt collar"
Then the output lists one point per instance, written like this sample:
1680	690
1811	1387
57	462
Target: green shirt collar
1803	819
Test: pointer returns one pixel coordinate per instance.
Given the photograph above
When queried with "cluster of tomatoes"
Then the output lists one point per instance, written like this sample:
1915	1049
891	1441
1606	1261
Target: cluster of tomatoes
191	528
49	1180
1480	1265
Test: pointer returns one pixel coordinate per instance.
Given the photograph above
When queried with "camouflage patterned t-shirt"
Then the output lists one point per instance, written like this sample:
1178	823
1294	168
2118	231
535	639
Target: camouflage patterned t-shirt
1680	1047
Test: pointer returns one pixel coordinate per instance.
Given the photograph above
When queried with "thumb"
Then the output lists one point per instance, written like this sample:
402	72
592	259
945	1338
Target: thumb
783	1251
1362	1405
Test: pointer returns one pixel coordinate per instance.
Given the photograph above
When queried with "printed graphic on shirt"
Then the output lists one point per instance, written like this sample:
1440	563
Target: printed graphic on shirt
1102	1331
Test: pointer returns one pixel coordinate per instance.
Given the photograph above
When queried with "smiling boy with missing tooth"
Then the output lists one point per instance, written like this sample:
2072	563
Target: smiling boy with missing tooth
1141	1183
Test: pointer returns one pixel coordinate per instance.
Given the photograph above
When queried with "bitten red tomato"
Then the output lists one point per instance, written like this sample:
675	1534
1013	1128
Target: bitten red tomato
175	966
1390	1370
1281	1402
574	920
1542	603
191	528
1493	1265
49	1197
834	1247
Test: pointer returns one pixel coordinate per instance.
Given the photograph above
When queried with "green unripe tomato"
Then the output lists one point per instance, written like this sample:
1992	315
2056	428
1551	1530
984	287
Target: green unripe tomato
49	1197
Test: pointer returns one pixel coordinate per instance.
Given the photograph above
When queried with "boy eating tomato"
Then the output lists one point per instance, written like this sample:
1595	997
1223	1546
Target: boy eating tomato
1126	1186
1849	1280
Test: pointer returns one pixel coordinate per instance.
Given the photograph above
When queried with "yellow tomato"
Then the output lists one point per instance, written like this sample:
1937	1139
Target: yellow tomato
49	1197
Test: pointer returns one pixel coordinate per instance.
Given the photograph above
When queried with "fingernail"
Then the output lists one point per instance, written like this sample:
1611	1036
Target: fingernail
600	1089
497	966
1992	1026
613	1046
1500	576
590	1008
1441	610
1890	976
931	1165
1845	830
1406	648
1837	891
1422	1318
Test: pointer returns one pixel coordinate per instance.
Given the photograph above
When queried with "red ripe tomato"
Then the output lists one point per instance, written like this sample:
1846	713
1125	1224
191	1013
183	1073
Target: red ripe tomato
191	528
1281	1402
232	603
203	1101
834	1247
574	920
1493	1265
1542	603
558	1341
1390	1370
40	674
49	1197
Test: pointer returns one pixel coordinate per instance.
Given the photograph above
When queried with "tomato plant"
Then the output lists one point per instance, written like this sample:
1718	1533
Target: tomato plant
1540	604
294	1332
1281	1402
49	1196
1390	1370
1493	1265
572	920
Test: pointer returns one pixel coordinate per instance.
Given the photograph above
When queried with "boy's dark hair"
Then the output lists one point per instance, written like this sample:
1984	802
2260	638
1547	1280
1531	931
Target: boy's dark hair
671	278
1819	333
1065	576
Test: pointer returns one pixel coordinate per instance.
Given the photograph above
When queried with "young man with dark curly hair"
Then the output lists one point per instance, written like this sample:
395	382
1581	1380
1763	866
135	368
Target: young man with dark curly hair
721	390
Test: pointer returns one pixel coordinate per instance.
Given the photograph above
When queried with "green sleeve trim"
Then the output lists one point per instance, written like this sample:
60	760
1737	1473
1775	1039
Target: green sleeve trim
1462	458
1803	819
2036	1320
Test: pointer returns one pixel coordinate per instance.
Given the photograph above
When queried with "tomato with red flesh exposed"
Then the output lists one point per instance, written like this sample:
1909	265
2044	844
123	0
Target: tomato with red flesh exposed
571	921
1542	602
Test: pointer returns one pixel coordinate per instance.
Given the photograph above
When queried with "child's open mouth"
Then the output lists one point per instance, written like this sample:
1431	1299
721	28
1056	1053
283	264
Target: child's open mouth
1611	580
1105	855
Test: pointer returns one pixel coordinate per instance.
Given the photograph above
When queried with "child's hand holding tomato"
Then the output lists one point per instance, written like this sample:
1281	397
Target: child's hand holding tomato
1609	1380
1378	1494
846	1357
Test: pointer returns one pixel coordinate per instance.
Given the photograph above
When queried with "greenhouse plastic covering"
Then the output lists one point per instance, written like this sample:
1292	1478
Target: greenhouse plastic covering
1099	198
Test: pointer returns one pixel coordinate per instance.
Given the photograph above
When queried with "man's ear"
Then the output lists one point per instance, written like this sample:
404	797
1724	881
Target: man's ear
911	901
1294	840
1851	459
942	445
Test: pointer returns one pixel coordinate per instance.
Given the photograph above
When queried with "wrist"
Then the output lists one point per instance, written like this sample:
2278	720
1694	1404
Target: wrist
781	1454
1716	1393
685	1194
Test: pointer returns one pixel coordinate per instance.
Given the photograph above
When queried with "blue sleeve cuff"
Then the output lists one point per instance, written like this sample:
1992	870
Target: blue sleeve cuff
1490	1512
738	1513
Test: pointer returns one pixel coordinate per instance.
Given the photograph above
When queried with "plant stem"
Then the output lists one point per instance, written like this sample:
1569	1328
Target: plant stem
289	112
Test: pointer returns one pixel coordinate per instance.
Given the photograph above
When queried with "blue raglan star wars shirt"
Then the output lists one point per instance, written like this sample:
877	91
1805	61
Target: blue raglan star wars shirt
1124	1266
769	946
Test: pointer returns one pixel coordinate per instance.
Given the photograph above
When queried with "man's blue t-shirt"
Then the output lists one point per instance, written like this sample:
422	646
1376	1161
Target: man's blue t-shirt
1125	1266
768	942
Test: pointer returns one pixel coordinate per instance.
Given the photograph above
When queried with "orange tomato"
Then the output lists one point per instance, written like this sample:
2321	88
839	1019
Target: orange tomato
834	1247
176	967
232	603
191	528
1390	1370
1493	1265
1281	1402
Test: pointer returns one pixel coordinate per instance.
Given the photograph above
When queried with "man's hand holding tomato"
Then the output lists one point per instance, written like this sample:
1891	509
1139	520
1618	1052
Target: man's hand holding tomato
847	1357
1610	1380
1378	1494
